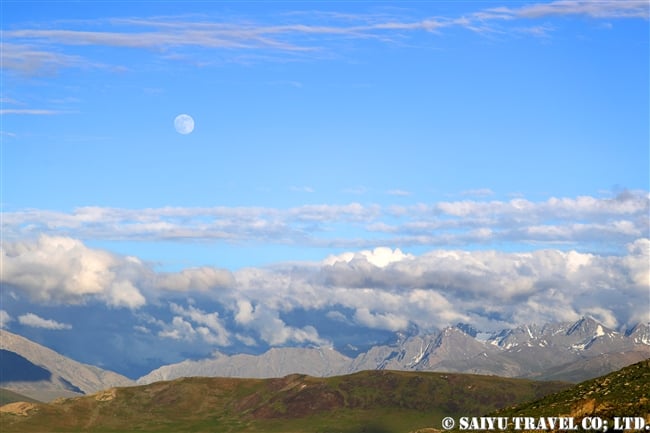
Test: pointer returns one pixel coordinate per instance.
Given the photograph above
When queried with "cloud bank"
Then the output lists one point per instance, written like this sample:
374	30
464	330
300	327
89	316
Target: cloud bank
602	223
383	289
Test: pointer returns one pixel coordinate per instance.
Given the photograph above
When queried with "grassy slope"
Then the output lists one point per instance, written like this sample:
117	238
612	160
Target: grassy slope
625	392
371	401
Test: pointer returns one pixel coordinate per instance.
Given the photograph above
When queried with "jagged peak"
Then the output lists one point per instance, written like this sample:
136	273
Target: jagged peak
467	329
638	328
412	330
585	323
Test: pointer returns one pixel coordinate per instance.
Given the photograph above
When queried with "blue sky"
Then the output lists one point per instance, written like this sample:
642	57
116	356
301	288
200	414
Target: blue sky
487	131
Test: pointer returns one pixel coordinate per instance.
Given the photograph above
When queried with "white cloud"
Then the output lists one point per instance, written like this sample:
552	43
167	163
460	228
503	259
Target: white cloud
270	328
57	269
337	315
605	222
211	327
489	288
246	339
384	288
379	257
398	192
62	269
5	318
200	279
123	293
179	329
31	60
481	192
357	190
244	313
29	111
599	9
31	319
142	329
389	321
41	50
307	189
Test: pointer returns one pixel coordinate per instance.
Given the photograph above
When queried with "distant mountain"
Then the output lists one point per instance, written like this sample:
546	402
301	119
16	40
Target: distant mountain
640	333
277	362
369	401
43	374
7	396
572	351
596	366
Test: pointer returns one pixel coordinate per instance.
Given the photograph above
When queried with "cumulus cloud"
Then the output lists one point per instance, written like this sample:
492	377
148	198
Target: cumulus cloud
209	325
31	319
267	323
57	269
488	288
178	329
379	257
64	270
5	318
383	288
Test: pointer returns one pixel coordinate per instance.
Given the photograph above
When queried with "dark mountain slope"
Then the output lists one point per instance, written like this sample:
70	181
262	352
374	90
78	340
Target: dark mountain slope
15	368
36	371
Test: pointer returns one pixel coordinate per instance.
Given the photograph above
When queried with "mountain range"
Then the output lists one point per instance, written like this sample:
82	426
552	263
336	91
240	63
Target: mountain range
572	351
569	351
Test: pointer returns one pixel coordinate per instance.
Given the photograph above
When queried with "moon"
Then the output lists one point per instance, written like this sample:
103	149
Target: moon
184	124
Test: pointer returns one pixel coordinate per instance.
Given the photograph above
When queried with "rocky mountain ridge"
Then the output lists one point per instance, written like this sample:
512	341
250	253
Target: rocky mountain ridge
573	352
43	374
526	351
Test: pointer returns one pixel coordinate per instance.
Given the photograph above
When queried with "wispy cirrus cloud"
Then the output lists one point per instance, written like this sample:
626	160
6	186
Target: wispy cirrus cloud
599	9
31	59
398	192
609	222
30	111
30	50
480	192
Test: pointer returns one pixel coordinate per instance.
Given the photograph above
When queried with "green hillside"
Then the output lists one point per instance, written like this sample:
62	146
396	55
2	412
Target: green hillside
623	393
371	401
